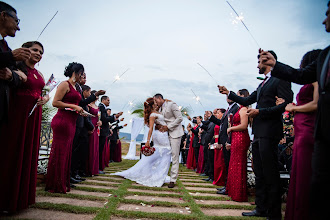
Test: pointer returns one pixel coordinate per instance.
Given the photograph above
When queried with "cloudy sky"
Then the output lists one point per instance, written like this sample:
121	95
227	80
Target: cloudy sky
161	42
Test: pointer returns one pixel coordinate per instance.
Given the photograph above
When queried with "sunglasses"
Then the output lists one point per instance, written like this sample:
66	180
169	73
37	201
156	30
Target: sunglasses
15	18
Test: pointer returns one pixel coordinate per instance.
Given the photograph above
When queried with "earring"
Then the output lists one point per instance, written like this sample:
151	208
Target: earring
74	79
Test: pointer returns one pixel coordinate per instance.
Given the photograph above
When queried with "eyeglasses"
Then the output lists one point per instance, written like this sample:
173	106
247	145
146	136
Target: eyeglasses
15	18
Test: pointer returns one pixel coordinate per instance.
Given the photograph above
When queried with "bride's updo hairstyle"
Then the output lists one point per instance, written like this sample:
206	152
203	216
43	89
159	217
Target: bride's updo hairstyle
148	107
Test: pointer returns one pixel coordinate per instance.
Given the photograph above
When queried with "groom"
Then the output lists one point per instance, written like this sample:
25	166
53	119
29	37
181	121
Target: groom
173	119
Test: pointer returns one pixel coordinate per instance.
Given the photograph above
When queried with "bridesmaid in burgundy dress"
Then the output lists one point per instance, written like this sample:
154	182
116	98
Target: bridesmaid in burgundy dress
220	173
191	160
64	127
297	206
93	158
240	142
19	150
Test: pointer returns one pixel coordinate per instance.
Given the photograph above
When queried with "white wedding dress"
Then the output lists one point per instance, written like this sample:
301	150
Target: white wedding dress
152	170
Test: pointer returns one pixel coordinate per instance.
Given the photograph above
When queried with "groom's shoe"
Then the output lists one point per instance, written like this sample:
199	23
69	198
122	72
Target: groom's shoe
171	185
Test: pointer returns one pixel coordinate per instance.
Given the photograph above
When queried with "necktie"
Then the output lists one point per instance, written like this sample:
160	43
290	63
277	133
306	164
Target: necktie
263	82
328	74
4	45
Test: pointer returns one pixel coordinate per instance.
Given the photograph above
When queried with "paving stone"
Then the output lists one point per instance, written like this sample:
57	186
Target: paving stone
218	202
192	180
223	212
155	198
100	181
108	177
49	215
97	187
201	189
155	209
87	193
151	191
208	194
200	184
69	201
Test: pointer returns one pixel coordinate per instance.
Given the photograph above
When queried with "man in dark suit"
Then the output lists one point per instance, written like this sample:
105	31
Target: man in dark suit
105	129
267	128
196	140
223	136
208	153
9	77
114	138
318	71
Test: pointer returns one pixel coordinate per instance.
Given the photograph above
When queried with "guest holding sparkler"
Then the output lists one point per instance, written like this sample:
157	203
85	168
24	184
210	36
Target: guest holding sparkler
240	142
64	127
267	128
21	142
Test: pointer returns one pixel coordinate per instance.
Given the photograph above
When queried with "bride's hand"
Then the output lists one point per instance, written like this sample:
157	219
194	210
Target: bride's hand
147	144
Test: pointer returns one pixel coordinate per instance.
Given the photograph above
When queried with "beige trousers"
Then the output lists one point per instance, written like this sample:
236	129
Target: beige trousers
175	145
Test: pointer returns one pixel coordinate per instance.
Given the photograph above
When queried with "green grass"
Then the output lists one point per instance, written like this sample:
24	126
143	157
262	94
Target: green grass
121	191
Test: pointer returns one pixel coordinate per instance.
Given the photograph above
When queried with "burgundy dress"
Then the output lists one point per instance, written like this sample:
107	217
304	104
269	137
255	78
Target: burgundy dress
106	154
191	161
20	146
220	174
200	165
93	158
64	127
297	206
117	156
237	172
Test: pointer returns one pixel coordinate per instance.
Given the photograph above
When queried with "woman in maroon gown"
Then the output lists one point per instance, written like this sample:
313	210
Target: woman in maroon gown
117	157
64	127
191	160
297	206
220	174
93	157
240	142
19	150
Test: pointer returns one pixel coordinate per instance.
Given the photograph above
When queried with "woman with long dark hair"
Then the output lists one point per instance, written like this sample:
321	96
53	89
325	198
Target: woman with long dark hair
152	170
64	126
297	206
19	149
240	142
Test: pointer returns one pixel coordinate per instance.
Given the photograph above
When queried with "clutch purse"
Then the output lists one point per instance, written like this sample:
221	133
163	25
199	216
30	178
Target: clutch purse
147	151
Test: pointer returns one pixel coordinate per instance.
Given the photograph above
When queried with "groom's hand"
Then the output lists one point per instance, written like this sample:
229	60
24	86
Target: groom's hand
158	127
163	128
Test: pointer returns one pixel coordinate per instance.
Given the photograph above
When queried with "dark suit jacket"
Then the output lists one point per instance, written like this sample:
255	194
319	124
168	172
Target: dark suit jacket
105	121
115	136
316	71
209	133
269	121
195	141
223	123
6	60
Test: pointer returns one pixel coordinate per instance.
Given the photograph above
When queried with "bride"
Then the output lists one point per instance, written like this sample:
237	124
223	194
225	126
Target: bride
152	170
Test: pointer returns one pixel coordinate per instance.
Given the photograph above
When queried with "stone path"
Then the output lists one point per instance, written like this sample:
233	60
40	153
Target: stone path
112	197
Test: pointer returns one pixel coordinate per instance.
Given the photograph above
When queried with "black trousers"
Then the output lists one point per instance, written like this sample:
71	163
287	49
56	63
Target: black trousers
113	145
210	162
102	140
266	169
320	189
196	151
75	152
206	165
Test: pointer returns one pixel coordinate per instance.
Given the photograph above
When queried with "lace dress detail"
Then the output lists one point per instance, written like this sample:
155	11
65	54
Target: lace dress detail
152	170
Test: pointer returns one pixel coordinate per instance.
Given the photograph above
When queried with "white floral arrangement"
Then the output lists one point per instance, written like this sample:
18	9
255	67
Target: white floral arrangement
42	166
251	179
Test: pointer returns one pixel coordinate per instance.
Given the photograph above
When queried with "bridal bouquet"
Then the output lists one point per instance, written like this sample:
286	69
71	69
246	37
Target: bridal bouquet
147	151
50	85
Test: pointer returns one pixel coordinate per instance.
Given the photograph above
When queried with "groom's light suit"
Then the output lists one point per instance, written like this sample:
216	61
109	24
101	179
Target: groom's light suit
173	119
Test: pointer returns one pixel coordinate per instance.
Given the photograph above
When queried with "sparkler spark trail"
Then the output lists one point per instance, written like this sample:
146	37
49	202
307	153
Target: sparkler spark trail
208	73
241	19
198	99
47	25
118	77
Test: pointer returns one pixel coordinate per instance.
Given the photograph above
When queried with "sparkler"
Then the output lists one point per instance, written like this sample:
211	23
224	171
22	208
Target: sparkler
240	18
47	25
209	74
118	77
198	99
